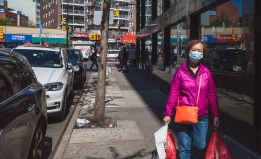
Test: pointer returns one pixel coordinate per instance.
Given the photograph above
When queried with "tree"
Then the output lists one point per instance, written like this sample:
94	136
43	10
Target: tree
30	24
4	22
99	106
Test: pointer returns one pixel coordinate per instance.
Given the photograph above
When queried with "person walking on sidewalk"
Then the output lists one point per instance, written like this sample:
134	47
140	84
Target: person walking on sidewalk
122	57
94	59
132	57
184	89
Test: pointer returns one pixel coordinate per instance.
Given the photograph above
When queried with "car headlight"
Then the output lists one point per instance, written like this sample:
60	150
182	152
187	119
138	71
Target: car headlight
53	86
76	68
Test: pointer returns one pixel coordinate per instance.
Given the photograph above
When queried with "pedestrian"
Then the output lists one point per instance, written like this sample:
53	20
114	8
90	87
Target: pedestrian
93	58
131	57
147	56
122	57
184	92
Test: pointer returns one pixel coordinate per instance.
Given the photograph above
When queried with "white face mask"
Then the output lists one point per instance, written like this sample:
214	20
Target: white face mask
195	56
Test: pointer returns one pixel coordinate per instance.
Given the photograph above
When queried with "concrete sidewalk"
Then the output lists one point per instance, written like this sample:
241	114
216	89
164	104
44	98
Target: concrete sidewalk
138	107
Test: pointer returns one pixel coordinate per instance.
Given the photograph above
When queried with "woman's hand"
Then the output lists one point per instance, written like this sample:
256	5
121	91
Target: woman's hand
166	120
216	121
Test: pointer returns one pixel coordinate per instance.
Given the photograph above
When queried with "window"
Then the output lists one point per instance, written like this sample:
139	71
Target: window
25	79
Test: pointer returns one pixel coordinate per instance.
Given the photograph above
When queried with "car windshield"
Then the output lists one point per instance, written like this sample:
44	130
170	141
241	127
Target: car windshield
42	58
74	54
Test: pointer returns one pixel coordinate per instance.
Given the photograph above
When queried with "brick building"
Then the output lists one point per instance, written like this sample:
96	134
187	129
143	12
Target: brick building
15	17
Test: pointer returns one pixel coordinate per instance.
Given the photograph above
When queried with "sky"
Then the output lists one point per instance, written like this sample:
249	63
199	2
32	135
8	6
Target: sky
238	3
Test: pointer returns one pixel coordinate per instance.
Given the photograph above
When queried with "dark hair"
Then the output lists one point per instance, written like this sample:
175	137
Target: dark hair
192	43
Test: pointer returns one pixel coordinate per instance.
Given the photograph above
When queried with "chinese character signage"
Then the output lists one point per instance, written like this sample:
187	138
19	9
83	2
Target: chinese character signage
128	39
19	38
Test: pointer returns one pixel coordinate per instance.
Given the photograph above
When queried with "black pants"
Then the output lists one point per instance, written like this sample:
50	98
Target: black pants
121	64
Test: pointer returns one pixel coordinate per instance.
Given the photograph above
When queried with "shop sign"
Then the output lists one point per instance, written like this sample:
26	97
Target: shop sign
111	40
83	42
19	38
49	35
209	38
117	39
80	35
131	39
224	38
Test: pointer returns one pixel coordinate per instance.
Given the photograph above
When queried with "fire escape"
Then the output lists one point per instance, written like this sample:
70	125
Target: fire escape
94	5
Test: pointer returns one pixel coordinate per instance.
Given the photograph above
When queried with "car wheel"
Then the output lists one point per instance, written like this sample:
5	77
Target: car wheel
36	149
64	107
116	59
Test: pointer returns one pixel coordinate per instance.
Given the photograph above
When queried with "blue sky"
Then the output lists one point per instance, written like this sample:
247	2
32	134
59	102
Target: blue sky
238	3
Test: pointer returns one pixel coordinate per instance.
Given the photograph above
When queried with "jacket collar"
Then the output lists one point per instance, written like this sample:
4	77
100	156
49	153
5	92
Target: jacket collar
202	68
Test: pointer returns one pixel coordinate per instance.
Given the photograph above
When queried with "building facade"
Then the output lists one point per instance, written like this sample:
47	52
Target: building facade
231	28
13	16
50	14
31	8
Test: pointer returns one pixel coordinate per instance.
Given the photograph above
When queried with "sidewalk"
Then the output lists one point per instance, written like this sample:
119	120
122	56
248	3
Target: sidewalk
138	107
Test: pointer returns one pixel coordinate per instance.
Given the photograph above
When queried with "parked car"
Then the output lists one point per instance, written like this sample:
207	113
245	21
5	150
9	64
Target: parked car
23	114
54	70
79	66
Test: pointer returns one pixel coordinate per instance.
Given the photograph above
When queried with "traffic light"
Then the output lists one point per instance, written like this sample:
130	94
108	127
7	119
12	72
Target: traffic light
64	21
233	35
1	32
98	36
64	28
92	37
116	12
70	29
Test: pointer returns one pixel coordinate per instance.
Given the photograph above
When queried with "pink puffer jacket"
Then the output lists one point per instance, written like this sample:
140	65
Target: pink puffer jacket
185	87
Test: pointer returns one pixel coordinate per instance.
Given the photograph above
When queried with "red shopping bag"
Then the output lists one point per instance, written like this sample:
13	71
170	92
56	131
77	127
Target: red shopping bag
170	147
217	149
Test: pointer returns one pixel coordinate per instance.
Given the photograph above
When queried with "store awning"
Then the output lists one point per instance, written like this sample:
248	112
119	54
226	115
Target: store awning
36	40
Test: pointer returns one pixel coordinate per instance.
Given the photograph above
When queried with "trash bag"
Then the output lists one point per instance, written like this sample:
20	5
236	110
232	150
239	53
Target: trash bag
217	149
170	147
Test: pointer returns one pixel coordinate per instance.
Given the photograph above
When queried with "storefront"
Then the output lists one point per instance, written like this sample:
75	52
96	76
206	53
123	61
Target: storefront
13	40
83	45
52	39
231	28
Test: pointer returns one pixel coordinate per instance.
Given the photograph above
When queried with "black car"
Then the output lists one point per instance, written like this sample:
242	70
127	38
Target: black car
23	114
79	66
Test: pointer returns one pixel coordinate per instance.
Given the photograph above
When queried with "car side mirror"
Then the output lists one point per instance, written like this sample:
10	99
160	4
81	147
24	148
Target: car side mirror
69	66
85	59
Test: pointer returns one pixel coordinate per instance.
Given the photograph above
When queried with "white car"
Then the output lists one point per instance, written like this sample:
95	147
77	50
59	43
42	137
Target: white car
53	69
112	54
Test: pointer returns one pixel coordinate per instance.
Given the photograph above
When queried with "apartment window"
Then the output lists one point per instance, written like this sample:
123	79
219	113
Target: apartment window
49	4
130	15
49	22
49	13
46	6
38	7
43	7
130	24
131	7
45	23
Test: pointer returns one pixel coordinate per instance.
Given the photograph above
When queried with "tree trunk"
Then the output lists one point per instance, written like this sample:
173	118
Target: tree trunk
99	107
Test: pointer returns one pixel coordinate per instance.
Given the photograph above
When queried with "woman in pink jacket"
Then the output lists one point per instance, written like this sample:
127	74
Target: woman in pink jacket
184	86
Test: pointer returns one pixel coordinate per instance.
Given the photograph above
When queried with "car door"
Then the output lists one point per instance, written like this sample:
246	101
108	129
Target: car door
17	118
